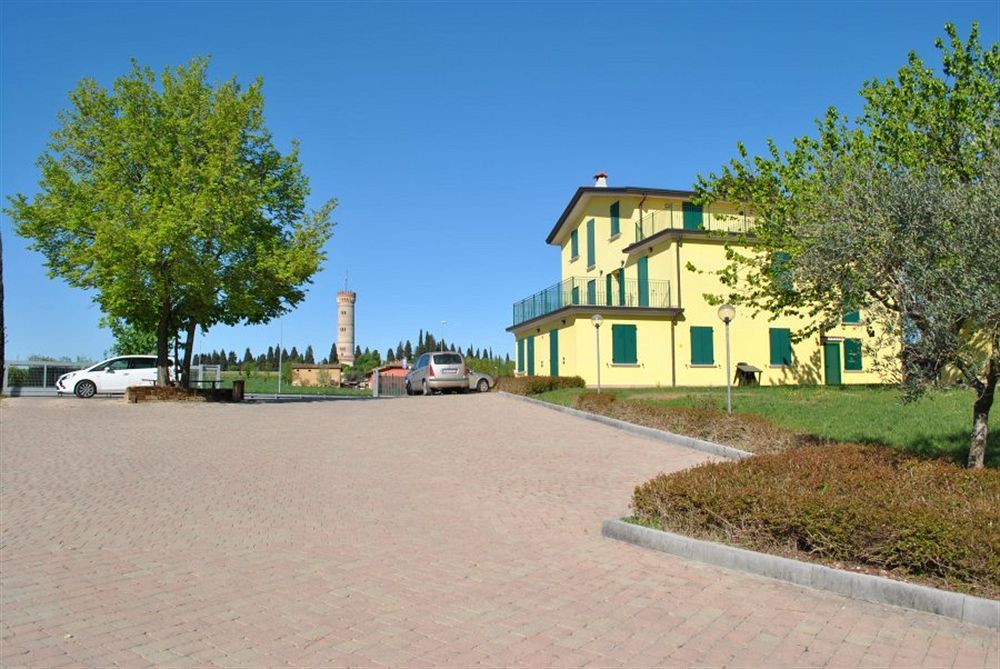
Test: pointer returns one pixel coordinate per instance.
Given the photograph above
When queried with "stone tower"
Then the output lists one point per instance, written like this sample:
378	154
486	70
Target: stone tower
345	326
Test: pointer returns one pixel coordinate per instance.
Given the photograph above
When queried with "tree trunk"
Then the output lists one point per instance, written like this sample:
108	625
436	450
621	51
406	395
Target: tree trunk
163	348
980	419
188	354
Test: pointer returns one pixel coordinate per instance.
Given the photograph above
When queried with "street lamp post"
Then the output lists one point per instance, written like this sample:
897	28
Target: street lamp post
727	313
596	319
443	323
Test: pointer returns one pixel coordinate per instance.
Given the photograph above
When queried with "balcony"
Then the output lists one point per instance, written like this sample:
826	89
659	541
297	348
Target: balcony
582	292
652	222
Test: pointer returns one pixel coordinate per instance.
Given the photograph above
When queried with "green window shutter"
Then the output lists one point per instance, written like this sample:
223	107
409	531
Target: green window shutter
623	344
643	282
554	353
781	271
781	346
852	355
591	250
852	317
608	289
592	292
531	356
615	219
693	217
621	287
575	297
702	346
520	355
574	244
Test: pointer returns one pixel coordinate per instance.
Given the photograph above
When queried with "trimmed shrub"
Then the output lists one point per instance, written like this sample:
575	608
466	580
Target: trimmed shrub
533	385
865	507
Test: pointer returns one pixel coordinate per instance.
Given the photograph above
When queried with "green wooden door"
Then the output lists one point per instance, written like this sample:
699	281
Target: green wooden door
831	363
554	353
531	356
693	217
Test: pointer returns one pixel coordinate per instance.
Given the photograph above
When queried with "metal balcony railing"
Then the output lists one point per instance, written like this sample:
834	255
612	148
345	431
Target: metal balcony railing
649	223
581	291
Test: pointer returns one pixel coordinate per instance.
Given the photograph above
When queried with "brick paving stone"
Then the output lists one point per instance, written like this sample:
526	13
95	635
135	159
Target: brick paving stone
446	531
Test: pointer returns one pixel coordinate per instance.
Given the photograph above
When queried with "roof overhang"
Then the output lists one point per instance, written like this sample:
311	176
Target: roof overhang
583	195
673	234
585	311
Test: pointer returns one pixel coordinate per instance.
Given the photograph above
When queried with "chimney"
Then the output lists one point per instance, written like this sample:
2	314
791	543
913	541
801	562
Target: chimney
601	180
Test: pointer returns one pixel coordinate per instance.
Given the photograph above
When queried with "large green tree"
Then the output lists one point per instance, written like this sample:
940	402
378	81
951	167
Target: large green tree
167	197
895	213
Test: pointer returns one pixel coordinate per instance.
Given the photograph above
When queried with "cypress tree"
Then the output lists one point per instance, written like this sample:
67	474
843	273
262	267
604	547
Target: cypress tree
399	351
408	350
269	360
389	355
309	359
247	355
294	355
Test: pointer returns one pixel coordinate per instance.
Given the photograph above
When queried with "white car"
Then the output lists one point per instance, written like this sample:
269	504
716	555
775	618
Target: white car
113	375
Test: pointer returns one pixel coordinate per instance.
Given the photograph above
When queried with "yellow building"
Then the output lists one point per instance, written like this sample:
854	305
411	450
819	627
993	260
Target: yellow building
644	259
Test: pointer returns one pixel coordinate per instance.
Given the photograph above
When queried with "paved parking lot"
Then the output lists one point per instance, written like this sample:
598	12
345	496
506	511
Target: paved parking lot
457	530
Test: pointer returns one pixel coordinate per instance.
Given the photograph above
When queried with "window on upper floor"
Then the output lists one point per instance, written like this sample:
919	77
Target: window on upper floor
623	347
615	219
574	245
591	244
853	317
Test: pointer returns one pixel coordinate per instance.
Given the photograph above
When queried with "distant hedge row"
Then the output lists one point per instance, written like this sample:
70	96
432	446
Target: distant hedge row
533	385
866	506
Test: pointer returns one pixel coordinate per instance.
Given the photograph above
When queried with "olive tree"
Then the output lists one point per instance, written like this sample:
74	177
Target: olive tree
896	213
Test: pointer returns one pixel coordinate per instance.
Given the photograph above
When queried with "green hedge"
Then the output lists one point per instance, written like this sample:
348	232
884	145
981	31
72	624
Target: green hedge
533	385
865	506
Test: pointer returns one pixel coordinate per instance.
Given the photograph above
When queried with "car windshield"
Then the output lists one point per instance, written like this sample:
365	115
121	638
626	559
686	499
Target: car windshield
447	359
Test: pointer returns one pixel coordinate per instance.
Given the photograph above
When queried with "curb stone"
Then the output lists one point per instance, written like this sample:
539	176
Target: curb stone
969	609
652	433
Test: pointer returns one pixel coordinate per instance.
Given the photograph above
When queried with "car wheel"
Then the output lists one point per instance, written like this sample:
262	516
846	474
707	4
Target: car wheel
85	389
427	390
409	390
483	385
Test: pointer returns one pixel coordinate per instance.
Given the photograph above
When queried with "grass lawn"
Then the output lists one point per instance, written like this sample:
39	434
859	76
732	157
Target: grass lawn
940	423
267	382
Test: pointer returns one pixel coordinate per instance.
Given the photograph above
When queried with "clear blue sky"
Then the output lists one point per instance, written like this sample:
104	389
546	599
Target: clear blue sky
453	134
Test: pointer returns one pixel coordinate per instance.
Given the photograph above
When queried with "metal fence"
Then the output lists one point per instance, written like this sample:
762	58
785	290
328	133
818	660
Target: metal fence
387	385
35	377
581	291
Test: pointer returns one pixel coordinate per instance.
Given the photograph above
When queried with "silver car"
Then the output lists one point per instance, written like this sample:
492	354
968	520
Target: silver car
438	372
480	382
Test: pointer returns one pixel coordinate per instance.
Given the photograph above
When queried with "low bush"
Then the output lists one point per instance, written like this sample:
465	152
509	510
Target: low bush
747	432
533	385
860	506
